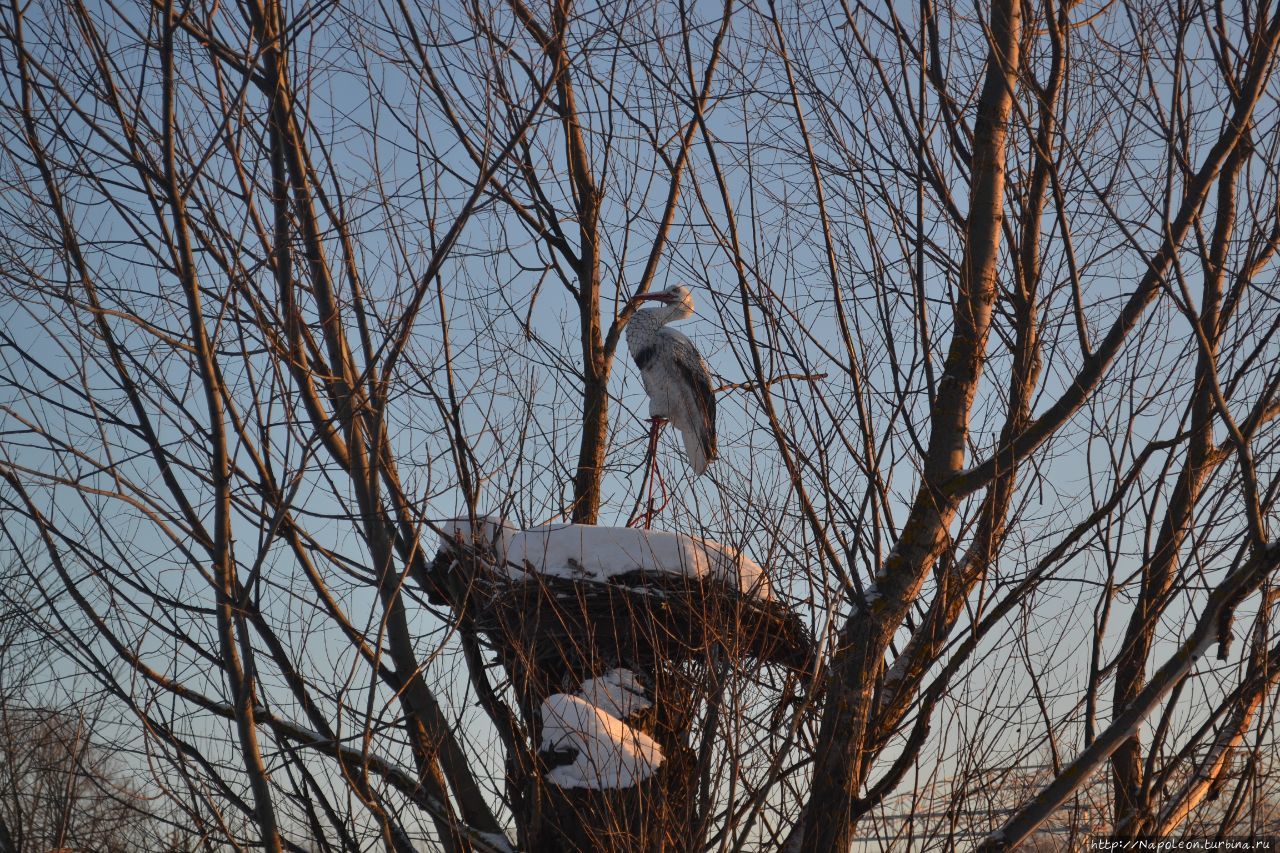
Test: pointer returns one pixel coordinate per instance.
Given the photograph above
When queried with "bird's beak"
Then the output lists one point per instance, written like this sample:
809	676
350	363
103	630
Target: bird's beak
650	297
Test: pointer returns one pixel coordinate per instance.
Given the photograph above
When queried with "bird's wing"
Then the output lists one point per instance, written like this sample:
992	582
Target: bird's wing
692	369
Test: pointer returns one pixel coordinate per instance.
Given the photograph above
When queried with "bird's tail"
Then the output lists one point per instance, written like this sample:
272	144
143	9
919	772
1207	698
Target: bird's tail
701	451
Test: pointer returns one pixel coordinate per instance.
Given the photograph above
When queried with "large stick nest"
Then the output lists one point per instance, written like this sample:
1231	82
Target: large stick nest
641	617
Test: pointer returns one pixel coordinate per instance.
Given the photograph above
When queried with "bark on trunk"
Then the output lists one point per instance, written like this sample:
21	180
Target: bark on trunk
842	755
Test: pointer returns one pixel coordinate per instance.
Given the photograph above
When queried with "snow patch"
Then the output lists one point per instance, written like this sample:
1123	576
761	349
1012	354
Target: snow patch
618	693
610	753
491	531
897	672
496	840
1200	649
581	551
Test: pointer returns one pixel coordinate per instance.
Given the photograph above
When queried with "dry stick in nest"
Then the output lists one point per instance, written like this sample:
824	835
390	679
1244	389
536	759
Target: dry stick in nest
667	615
646	616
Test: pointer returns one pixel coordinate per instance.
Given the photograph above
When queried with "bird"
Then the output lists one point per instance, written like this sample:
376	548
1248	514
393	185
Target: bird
674	374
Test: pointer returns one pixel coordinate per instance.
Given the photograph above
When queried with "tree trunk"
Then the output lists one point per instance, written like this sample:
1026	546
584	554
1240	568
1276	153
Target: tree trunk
842	758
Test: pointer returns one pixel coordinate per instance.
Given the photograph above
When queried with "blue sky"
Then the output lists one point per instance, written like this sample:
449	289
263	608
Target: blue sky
400	173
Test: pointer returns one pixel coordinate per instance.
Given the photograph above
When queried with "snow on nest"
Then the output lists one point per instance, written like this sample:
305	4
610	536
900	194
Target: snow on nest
493	532
617	692
610	753
582	551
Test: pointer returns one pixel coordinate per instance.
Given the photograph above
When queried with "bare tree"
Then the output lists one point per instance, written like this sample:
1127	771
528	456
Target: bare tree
62	790
65	783
287	286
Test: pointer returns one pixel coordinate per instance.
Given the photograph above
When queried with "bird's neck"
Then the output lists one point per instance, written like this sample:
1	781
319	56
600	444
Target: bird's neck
646	322
661	315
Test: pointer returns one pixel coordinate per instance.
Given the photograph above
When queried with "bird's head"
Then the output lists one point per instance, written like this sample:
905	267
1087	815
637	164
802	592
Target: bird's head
677	299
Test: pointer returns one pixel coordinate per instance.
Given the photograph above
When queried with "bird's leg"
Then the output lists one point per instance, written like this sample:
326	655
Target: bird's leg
644	510
662	486
654	431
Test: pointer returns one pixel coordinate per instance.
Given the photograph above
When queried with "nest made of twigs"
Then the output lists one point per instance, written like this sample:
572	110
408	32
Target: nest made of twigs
644	617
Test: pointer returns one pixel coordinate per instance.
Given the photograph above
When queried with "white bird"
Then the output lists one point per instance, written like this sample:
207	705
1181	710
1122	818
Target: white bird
674	374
